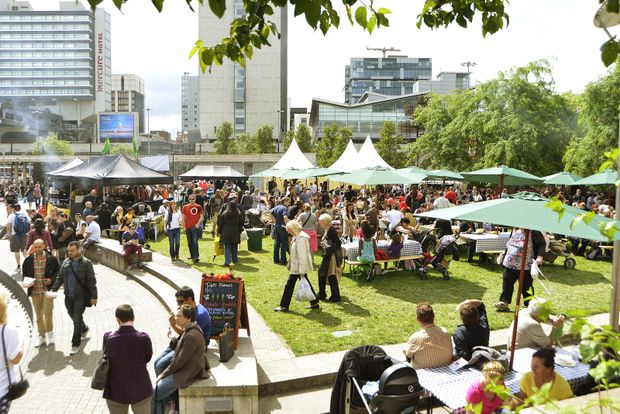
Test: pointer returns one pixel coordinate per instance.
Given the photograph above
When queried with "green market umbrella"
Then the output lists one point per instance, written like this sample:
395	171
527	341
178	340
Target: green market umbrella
308	173
378	175
413	169
445	175
561	178
605	177
502	175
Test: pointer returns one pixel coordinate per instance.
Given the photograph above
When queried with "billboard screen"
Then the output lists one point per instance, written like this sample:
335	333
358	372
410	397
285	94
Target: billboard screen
116	126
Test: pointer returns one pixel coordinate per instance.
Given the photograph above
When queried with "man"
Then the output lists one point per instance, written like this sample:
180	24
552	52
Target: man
92	234
141	208
431	346
305	196
78	276
92	199
280	242
441	202
192	219
43	267
475	328
350	195
394	216
131	245
164	206
215	204
10	198
530	333
88	209
18	226
451	195
184	296
246	201
128	351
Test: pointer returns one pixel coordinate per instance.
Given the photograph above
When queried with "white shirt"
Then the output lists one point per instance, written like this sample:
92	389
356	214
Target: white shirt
175	220
94	231
162	209
9	228
394	217
441	202
12	341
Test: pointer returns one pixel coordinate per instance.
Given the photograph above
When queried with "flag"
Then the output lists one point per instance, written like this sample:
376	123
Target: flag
135	146
106	147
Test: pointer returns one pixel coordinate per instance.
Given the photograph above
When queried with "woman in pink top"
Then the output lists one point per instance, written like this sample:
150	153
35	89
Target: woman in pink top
493	372
40	232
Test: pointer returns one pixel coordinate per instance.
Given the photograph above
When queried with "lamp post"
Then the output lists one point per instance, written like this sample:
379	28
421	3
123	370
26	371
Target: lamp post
279	137
36	116
468	64
148	127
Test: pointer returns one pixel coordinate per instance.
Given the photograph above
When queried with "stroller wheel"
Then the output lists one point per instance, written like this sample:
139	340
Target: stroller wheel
570	263
423	275
446	275
370	275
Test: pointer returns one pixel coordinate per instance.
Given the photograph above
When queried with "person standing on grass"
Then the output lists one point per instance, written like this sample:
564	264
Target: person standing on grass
331	261
192	219
280	236
172	227
230	226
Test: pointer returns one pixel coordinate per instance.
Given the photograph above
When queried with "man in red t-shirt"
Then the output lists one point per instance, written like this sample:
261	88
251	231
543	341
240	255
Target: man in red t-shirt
451	195
192	219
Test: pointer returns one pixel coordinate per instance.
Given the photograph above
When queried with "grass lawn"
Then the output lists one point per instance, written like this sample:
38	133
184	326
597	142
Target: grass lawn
383	312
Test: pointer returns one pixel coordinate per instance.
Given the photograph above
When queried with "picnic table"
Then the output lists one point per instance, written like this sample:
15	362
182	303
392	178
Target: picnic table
487	242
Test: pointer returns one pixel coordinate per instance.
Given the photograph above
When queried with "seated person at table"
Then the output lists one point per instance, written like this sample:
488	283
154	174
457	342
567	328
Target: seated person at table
493	373
530	333
475	328
542	373
431	346
404	227
141	208
131	245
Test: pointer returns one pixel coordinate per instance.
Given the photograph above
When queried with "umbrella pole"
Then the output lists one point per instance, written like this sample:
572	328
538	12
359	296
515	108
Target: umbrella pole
615	271
513	339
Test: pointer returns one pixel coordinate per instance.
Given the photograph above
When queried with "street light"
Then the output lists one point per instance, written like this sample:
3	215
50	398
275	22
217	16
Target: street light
279	137
36	115
468	64
148	127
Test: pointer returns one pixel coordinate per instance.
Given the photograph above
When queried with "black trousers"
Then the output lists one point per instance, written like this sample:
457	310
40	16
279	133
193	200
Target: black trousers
509	277
287	295
324	277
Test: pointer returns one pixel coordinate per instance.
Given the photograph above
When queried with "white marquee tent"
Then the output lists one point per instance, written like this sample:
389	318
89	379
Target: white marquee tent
293	159
348	161
368	157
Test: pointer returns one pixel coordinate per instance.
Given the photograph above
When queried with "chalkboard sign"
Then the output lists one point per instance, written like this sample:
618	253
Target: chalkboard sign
226	303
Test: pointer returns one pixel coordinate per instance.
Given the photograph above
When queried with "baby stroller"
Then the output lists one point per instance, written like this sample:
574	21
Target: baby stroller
558	248
369	381
446	245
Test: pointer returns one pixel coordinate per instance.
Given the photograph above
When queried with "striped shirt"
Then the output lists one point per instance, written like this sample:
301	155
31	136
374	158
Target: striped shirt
430	347
39	273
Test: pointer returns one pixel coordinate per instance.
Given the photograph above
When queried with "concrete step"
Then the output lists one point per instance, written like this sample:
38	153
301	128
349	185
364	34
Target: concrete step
314	401
158	288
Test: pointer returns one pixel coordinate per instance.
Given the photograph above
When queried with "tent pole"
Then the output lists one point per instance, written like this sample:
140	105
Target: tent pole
615	305
513	338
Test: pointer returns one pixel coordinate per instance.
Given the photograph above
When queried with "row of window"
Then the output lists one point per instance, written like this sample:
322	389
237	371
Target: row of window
43	55
44	82
44	73
44	36
41	27
48	92
46	17
85	45
38	64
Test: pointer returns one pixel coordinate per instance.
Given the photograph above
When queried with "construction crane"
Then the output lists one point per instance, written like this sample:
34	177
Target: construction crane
383	49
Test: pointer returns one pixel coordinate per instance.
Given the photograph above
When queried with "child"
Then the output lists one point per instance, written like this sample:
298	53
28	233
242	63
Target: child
367	248
396	246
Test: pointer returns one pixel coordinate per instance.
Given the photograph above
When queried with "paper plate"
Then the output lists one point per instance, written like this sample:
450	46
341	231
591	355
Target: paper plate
51	295
27	282
565	361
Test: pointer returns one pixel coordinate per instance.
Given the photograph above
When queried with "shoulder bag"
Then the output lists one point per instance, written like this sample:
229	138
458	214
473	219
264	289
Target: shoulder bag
226	342
100	375
77	279
19	388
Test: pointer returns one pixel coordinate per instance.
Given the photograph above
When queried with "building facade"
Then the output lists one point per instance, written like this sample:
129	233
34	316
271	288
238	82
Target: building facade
190	103
391	75
247	97
128	96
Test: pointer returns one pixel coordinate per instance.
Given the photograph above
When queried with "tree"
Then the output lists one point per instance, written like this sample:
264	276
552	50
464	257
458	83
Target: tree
287	139
124	149
598	117
331	145
390	145
246	144
304	138
264	140
51	145
516	119
224	139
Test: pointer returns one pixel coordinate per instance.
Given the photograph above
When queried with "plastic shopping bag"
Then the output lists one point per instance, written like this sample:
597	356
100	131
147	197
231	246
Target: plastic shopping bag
304	292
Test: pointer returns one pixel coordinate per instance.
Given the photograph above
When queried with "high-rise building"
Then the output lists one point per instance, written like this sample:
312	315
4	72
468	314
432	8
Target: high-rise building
56	60
128	96
190	102
390	76
247	97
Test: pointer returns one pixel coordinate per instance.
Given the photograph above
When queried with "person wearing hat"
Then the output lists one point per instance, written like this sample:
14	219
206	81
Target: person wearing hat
131	244
164	206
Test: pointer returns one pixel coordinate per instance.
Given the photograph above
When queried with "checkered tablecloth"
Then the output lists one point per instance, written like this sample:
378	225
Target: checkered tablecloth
410	248
487	242
451	387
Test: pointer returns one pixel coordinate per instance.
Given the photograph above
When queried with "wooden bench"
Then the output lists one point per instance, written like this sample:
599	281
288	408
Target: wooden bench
354	264
490	254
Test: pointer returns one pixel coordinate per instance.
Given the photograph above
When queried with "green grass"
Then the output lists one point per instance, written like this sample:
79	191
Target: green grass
383	312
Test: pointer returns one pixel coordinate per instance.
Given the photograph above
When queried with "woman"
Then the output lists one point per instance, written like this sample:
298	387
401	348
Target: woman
512	264
40	232
52	220
308	226
11	345
172	227
29	196
332	259
493	374
300	265
104	217
349	221
124	223
229	227
189	362
116	218
36	193
79	232
66	234
543	373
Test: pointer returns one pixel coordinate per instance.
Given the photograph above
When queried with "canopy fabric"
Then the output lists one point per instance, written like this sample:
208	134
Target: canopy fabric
445	175
112	170
368	157
605	177
348	160
293	159
271	173
502	175
378	175
309	173
212	172
71	164
156	162
528	211
413	169
561	178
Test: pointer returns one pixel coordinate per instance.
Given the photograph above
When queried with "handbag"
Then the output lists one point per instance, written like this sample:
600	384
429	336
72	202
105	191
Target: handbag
100	375
226	342
243	236
19	388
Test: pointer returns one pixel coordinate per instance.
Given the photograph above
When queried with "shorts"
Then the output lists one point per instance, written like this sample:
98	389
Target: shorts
17	243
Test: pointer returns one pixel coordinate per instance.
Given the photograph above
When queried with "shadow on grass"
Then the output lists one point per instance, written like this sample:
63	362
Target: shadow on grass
321	316
574	277
351	308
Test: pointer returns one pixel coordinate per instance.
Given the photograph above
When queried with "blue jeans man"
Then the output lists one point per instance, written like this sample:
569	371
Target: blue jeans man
280	245
174	238
230	253
192	242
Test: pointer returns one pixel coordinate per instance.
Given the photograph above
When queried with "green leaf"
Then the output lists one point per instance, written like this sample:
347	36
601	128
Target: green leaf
117	3
95	3
461	21
360	16
609	51
313	12
608	229
324	23
586	218
159	4
383	10
613	6
372	22
558	206
349	16
218	7
195	49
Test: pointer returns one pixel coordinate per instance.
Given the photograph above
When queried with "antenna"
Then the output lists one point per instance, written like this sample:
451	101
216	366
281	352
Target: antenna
383	49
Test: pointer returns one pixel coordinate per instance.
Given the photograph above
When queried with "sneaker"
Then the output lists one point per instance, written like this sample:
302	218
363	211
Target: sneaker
280	309
39	342
50	338
141	265
315	306
18	269
74	350
384	272
85	333
128	267
502	307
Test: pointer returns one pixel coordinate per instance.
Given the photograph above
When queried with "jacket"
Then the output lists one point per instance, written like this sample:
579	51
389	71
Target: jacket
189	362
128	351
230	227
86	286
301	257
51	268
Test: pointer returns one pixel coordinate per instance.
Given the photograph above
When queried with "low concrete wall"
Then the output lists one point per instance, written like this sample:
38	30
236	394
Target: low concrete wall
578	403
108	253
232	388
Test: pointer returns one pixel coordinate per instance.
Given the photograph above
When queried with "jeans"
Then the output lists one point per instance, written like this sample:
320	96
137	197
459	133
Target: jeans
174	238
163	389
192	242
163	360
76	311
287	295
230	253
280	245
129	250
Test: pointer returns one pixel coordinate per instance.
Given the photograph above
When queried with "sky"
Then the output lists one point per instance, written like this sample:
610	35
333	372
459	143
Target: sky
156	47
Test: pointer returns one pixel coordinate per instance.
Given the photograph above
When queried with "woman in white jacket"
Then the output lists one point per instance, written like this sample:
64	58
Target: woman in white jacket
300	265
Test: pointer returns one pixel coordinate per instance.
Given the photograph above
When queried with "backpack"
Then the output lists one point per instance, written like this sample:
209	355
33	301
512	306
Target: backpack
20	224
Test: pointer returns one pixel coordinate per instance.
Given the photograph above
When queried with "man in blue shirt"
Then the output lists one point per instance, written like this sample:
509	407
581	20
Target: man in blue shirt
280	243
